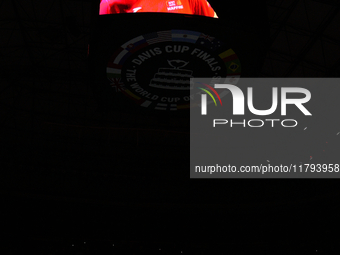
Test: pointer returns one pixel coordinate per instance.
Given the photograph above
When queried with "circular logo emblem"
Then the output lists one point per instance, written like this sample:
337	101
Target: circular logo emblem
155	69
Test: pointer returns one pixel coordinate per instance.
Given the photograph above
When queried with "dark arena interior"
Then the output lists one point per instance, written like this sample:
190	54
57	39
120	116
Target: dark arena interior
87	171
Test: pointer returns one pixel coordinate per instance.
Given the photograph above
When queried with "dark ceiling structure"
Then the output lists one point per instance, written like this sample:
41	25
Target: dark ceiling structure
68	166
305	39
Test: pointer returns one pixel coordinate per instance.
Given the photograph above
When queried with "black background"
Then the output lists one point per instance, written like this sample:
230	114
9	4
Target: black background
102	192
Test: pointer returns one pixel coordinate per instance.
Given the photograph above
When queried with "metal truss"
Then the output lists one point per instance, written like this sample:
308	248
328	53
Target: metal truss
304	39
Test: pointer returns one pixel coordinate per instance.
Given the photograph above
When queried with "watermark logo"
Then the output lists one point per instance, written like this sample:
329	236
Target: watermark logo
238	100
204	97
